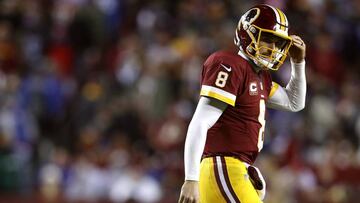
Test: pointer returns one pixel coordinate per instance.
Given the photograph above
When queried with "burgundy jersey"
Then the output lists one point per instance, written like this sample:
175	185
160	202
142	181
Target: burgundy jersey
239	132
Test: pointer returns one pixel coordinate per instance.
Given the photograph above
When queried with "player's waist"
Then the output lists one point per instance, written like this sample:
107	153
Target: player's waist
242	155
226	162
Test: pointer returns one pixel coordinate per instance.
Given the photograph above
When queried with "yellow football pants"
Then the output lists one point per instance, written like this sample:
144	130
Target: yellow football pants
225	179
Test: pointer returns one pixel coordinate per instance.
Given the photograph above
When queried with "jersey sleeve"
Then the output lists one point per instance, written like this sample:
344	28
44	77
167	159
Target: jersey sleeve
220	80
274	88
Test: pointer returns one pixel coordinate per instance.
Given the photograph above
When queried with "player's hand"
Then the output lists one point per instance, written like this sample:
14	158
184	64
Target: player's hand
189	192
297	50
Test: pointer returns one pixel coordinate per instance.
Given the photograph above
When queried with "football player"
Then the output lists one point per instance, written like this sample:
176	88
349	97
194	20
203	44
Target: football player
226	132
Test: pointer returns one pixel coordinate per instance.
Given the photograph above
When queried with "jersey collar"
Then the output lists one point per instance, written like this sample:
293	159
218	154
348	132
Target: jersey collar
240	53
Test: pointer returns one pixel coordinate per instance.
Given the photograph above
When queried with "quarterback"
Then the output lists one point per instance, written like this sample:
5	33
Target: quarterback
226	132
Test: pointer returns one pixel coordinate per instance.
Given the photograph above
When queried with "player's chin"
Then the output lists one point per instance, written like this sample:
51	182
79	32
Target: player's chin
263	67
264	63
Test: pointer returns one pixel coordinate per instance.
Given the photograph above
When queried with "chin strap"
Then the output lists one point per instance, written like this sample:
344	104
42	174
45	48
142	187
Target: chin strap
263	63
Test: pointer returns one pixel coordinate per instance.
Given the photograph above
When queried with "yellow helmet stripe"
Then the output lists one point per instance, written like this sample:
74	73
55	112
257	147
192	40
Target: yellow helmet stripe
276	14
282	20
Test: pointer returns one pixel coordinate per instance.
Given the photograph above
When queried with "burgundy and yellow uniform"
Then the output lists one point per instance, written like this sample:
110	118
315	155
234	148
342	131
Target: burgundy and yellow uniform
239	132
229	137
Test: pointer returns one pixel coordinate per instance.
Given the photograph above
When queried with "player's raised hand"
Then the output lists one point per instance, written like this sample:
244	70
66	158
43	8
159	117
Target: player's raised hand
189	192
297	50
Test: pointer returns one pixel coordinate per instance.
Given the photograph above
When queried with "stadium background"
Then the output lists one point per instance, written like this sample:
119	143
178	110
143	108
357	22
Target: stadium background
95	98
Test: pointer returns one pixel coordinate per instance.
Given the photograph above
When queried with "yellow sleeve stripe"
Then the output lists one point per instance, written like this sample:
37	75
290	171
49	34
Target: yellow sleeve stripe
274	87
218	94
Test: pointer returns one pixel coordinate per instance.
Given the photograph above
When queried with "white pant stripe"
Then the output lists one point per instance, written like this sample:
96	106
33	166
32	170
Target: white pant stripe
222	180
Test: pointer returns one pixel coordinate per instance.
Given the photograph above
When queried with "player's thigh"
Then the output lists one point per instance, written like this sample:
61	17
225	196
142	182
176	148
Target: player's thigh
240	182
225	179
209	191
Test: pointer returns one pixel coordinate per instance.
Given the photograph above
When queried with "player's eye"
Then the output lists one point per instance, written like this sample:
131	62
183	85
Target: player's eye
280	44
266	38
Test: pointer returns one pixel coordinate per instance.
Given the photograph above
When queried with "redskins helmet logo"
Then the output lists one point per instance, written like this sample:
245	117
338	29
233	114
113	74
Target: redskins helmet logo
248	18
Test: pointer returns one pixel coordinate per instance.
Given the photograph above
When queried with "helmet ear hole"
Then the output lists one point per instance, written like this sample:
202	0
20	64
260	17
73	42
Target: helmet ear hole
252	29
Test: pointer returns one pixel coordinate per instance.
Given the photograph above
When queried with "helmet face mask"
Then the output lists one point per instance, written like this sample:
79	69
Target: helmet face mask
262	36
268	50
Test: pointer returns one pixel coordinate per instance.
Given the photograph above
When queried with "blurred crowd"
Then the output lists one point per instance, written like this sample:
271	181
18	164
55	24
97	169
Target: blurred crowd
96	96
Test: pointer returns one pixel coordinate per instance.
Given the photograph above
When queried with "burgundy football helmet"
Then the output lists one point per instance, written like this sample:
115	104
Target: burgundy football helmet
264	23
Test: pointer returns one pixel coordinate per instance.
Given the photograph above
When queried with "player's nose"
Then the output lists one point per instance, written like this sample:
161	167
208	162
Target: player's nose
270	48
271	45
